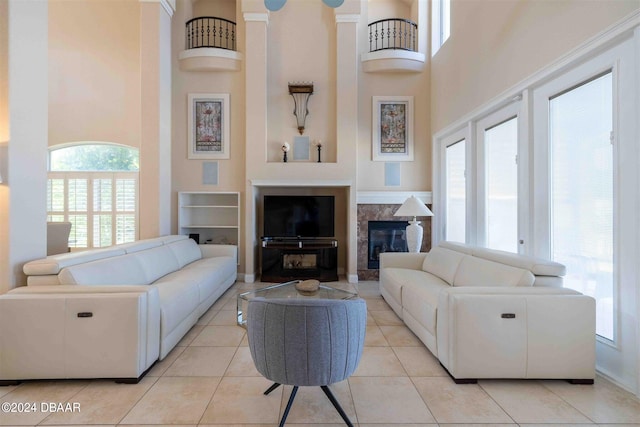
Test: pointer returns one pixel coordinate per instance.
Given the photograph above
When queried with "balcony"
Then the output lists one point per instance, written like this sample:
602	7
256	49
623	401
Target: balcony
210	45
393	47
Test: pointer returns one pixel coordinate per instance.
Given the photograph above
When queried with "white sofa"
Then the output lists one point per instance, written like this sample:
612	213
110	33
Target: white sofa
492	314
109	313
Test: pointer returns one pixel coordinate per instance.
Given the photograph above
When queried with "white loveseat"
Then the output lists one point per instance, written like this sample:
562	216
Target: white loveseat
492	314
109	313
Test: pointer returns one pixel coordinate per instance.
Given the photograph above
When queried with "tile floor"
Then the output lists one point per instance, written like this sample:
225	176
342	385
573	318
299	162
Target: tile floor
209	380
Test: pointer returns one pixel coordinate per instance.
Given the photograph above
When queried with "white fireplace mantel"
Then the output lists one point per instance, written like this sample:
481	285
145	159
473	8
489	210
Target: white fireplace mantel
391	197
301	183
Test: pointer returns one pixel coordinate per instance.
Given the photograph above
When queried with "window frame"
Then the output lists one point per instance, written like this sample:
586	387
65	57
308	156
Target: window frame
617	360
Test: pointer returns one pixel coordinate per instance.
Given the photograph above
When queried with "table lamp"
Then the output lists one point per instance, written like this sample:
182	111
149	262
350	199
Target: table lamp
413	207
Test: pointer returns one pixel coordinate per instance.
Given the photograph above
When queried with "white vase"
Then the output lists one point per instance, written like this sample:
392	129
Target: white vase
414	236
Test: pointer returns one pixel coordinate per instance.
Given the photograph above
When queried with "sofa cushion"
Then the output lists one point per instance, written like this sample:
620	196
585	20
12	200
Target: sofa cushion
207	274
118	270
186	251
55	263
157	262
420	300
442	263
475	271
178	299
538	266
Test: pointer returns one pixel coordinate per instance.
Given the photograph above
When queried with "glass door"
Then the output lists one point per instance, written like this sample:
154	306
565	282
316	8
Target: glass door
582	199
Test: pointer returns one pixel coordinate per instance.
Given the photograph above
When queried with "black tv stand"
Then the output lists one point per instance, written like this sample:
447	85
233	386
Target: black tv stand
291	258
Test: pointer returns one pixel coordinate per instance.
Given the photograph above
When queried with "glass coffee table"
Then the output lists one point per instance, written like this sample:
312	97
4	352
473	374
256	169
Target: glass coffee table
287	290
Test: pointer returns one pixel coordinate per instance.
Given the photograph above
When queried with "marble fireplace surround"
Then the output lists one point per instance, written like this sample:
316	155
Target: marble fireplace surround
380	206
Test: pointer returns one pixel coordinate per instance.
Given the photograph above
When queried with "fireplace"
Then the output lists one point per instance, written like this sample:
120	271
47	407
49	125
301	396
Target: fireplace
385	236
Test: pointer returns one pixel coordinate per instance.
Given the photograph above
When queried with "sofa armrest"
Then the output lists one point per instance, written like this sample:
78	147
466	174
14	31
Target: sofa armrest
409	260
79	332
210	251
514	332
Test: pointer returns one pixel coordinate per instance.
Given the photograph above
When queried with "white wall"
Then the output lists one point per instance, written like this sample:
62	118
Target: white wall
23	195
94	71
416	175
496	44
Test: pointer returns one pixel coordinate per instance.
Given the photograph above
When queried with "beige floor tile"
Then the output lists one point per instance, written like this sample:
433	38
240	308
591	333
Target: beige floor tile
454	403
242	364
95	409
219	304
560	425
388	400
201	362
245	341
38	392
374	337
190	336
379	362
386	318
161	366
483	425
173	400
400	336
311	405
399	425
219	336
208	315
370	320
419	362
241	400
230	304
368	289
243	425
163	425
225	318
602	402
7	389
377	304
539	406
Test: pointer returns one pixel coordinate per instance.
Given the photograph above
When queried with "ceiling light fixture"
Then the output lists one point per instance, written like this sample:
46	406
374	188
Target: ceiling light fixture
275	5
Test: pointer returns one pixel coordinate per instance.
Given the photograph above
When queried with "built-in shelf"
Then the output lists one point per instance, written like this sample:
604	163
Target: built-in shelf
213	216
392	60
210	59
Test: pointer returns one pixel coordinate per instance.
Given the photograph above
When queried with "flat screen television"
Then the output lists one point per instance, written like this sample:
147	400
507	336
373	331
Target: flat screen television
298	216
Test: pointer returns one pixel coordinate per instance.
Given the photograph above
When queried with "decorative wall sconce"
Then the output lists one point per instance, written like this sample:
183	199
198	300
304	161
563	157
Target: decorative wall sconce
300	93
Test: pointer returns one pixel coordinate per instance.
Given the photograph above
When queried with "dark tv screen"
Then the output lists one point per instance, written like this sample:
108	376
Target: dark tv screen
298	216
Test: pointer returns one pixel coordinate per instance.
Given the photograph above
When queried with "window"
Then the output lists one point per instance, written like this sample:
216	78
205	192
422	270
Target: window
577	183
95	187
440	23
580	125
501	185
456	205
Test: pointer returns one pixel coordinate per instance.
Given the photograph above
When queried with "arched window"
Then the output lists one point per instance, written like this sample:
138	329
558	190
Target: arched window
94	185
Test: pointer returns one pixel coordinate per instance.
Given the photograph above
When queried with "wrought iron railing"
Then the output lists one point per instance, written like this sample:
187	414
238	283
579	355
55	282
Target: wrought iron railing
393	34
208	31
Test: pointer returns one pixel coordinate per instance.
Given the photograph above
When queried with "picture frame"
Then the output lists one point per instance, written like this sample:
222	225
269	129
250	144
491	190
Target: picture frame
208	126
392	129
301	148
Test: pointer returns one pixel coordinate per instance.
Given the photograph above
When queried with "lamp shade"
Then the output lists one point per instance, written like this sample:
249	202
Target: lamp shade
413	207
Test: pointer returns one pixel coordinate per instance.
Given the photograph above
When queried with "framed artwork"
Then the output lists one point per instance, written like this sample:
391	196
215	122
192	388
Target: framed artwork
392	133
301	148
208	123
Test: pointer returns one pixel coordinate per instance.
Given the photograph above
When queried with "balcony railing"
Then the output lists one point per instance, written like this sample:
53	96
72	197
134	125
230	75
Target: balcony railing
393	34
208	31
